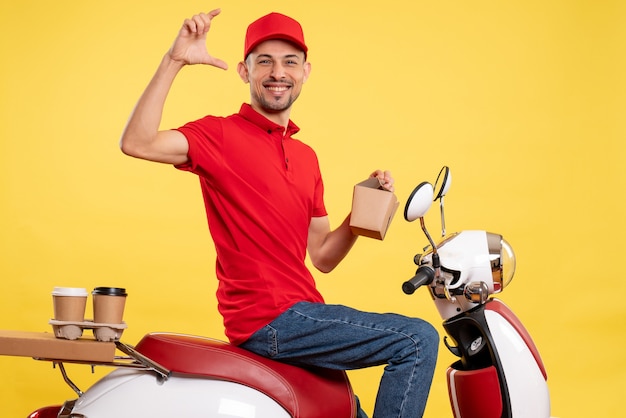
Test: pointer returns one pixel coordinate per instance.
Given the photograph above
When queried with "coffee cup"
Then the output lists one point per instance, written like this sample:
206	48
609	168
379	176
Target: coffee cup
108	305
69	303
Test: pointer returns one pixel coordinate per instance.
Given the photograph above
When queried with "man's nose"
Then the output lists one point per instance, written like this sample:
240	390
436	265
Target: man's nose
278	71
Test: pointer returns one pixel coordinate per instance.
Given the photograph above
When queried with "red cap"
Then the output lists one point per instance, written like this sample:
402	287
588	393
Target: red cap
274	26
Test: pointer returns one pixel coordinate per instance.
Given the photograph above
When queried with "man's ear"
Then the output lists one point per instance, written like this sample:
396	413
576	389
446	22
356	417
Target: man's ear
242	69
307	71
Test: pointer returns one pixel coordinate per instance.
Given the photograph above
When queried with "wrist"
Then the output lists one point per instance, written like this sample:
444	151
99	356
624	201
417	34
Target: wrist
171	63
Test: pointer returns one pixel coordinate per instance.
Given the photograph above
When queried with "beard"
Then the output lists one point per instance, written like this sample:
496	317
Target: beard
273	104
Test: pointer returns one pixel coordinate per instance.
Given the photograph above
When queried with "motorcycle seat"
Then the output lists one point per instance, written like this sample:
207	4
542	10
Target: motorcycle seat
304	393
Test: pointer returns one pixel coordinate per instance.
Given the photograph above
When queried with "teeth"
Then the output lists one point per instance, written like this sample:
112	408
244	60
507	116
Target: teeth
277	88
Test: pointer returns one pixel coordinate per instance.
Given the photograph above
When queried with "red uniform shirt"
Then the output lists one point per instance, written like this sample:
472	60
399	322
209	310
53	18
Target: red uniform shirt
260	190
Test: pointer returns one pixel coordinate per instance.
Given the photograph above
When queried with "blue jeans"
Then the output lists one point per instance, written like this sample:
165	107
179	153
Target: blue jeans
339	337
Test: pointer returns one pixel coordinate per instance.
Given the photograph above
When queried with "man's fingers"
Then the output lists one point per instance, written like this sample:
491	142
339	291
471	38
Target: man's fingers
214	13
219	63
385	179
200	23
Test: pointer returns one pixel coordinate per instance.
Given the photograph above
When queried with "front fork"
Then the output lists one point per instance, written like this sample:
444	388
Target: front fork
499	373
476	382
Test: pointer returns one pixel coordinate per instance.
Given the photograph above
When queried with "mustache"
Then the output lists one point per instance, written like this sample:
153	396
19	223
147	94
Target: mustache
275	81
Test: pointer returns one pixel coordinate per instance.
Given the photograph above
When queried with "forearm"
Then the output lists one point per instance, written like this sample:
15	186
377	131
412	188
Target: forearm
143	124
334	247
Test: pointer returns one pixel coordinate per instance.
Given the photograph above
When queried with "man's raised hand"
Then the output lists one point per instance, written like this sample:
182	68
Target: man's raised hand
190	44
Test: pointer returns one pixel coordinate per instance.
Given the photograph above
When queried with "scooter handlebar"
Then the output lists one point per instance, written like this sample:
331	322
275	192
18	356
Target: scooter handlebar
423	276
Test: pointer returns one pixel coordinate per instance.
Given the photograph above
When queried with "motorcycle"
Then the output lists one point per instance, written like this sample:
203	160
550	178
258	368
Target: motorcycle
499	373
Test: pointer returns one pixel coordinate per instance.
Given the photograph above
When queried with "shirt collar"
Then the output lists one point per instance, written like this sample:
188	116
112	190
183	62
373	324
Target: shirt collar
248	113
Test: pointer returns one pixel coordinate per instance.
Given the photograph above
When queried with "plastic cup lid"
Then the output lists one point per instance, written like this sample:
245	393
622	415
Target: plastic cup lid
69	291
109	291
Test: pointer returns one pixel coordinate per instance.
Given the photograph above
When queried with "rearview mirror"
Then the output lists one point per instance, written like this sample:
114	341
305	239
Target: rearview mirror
419	202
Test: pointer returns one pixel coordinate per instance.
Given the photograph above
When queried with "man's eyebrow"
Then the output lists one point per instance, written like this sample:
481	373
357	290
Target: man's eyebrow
284	56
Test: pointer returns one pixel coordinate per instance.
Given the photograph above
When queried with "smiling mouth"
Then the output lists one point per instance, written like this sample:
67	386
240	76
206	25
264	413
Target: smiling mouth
277	89
277	86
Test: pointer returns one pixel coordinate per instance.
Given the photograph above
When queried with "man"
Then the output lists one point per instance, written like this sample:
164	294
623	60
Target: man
263	195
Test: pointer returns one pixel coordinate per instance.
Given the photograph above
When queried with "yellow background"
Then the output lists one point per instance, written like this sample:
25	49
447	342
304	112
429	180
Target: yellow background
524	100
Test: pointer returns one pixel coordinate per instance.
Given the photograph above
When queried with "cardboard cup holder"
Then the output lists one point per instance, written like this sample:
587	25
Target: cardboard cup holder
69	310
72	330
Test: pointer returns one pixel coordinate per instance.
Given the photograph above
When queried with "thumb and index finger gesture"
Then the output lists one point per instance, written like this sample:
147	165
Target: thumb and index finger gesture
190	44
